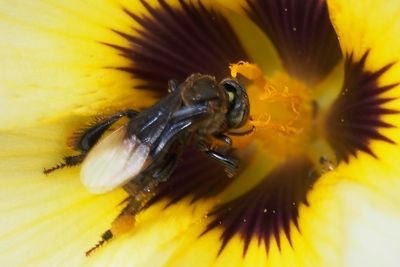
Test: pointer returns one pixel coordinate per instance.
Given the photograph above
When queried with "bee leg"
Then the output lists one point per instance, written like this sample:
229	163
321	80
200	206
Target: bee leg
225	139
172	86
164	172
143	188
120	225
88	139
220	143
151	177
230	163
141	191
92	135
247	132
67	161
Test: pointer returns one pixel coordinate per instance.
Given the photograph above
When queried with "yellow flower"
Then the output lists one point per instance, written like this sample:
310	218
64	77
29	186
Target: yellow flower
325	92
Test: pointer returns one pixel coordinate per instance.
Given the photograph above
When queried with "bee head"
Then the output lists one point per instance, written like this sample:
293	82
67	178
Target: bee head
239	106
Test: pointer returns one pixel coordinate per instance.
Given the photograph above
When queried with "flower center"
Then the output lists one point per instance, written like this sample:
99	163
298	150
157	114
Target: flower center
284	114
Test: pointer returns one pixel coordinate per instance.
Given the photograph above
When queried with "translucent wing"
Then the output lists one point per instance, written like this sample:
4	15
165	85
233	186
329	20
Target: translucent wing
113	161
122	155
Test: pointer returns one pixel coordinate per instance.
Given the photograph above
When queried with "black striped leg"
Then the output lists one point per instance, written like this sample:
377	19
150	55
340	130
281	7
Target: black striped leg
89	138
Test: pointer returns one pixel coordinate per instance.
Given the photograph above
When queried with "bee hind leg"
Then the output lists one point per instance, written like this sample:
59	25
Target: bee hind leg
67	161
89	138
121	224
141	190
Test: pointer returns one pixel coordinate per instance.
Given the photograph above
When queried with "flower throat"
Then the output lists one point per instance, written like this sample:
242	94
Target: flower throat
285	116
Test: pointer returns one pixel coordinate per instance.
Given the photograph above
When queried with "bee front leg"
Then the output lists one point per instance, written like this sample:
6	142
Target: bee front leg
244	133
230	163
89	138
219	143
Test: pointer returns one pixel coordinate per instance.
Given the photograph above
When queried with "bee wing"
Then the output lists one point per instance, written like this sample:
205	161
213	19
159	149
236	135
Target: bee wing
113	161
123	154
150	123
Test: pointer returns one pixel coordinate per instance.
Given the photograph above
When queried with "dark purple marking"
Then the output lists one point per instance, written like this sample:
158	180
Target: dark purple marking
172	43
268	208
355	118
302	33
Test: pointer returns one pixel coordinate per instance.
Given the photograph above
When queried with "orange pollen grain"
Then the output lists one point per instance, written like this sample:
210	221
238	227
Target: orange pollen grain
122	224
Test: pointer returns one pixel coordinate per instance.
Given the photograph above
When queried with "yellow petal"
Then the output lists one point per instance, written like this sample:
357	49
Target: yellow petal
53	64
367	25
370	199
371	229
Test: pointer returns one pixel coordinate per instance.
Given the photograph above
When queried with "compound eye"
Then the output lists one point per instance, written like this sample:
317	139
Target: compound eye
239	106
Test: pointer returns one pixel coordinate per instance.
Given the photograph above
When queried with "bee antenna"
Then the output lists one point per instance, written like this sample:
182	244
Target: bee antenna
107	235
52	169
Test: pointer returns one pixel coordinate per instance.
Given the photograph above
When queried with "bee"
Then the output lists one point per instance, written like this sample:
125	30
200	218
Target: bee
144	151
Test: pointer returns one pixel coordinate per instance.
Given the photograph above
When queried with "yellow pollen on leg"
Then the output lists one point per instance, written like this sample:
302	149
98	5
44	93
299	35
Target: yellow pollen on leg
122	224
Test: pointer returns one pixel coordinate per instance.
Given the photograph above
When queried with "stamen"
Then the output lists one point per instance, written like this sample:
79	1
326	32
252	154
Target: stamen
272	95
262	121
284	128
248	70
